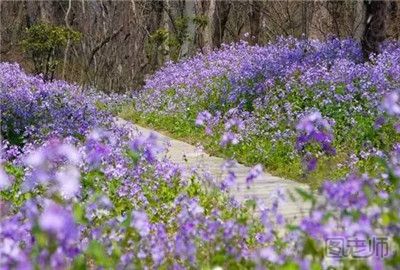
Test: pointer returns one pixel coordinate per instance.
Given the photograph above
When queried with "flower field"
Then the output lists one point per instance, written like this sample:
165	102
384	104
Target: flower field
250	99
79	192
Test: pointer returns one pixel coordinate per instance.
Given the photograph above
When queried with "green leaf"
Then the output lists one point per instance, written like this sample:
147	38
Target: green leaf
134	156
97	252
307	196
316	266
219	258
79	263
79	214
250	204
289	266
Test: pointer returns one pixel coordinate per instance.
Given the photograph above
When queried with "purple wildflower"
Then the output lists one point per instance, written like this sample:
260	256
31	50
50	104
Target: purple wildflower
58	221
147	146
391	103
254	173
141	223
68	179
229	181
4	179
229	138
54	164
269	254
314	129
203	118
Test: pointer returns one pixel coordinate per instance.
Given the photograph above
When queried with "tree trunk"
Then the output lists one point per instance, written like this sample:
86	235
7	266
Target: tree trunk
321	22
218	12
255	21
393	26
156	22
165	50
208	35
304	19
66	52
375	27
359	21
190	13
220	18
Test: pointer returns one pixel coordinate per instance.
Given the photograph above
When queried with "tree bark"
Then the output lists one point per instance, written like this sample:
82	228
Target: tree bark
393	30
218	12
168	22
208	35
69	40
304	19
255	16
375	27
220	18
189	12
321	22
359	21
156	22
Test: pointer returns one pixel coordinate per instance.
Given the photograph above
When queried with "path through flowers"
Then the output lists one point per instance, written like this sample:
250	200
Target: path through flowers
247	182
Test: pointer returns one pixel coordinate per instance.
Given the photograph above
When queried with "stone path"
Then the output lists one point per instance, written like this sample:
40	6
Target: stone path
262	188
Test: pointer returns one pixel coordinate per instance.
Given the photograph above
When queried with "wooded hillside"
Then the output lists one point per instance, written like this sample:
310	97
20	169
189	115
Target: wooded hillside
122	41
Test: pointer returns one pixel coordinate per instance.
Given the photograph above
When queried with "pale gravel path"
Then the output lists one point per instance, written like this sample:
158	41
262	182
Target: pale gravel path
188	155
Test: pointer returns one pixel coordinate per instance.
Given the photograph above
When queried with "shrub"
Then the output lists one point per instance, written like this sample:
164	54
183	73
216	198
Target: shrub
44	44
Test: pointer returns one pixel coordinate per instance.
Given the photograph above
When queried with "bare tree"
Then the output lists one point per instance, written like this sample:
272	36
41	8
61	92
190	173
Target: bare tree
117	49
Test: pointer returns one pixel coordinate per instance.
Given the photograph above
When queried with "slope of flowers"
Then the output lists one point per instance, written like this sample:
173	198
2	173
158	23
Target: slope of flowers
77	190
91	195
248	70
32	109
266	90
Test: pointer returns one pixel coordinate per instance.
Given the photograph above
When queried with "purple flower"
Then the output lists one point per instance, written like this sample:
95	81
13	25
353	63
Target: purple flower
310	122
347	194
391	103
185	247
203	118
54	165
147	146
314	130
141	223
158	253
229	138
229	181
269	254
208	121
379	122
310	162
68	179
234	123
247	84
194	208
97	147
58	221
254	173
4	179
